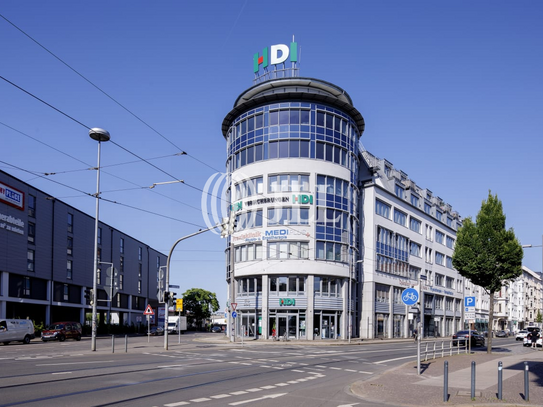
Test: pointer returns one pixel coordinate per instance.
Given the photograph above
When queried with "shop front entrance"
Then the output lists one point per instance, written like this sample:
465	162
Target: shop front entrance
288	325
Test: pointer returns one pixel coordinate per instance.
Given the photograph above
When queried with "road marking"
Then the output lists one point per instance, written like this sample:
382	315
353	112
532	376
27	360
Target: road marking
392	360
75	363
63	373
181	403
351	370
269	396
281	384
268	387
200	400
238	393
220	396
297	371
360	371
253	390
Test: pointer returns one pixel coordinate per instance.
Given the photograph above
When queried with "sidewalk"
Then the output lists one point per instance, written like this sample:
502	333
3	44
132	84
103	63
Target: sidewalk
403	387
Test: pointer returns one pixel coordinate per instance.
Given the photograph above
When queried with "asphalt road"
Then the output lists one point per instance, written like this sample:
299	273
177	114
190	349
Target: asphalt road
193	373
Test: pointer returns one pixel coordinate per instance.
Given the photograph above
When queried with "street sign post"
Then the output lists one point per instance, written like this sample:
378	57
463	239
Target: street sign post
410	296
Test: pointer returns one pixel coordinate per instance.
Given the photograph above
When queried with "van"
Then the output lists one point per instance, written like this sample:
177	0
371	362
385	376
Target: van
16	330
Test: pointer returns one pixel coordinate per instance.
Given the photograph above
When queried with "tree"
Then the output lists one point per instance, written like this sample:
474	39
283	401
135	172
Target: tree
539	317
488	254
199	304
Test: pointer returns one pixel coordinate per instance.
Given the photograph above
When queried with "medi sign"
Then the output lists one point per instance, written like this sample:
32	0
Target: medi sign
274	55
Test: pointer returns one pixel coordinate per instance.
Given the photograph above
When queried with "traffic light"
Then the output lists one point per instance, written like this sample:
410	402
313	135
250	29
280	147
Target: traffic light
224	227
232	224
173	300
89	295
166	297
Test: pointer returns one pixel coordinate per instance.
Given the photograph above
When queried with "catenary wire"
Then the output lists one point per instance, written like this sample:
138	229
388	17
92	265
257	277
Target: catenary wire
104	92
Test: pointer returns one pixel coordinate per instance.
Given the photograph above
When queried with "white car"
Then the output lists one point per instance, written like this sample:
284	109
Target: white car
521	335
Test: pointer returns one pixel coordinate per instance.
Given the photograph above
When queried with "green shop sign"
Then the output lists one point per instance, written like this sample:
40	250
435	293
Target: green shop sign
285	302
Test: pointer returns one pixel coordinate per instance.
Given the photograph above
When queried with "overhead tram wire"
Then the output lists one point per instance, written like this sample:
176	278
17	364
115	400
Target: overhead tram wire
128	151
93	168
105	93
104	199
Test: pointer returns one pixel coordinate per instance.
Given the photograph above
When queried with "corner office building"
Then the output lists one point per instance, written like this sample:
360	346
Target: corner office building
321	224
46	261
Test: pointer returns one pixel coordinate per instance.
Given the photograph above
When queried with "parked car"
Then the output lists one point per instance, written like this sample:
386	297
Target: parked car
12	330
216	329
61	331
157	331
461	337
521	334
501	334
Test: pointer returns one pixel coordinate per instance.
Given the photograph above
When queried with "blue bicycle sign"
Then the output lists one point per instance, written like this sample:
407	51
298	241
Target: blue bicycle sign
410	296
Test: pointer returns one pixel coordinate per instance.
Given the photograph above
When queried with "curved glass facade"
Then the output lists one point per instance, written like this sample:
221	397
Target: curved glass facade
293	165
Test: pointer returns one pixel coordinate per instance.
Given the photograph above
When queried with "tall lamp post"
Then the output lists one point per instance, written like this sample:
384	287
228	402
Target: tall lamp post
99	135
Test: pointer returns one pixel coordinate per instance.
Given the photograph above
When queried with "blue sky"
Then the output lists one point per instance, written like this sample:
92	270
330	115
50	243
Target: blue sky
451	93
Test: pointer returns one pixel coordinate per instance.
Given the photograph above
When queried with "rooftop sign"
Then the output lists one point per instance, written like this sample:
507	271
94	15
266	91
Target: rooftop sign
276	55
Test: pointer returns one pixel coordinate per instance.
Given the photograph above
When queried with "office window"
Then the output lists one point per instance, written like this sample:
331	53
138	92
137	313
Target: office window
31	206
449	262
427	208
440	258
121	281
140	253
450	242
439	302
30	260
428	254
121	245
99	254
415	249
288	250
31	232
70	223
99	236
382	293
398	190
414	224
69	268
250	187
121	264
157	262
387	170
382	209
139	286
399	217
449	221
449	282
429	232
288	216
140	268
248	252
439	280
414	200
70	246
439	237
288	183
66	292
438	215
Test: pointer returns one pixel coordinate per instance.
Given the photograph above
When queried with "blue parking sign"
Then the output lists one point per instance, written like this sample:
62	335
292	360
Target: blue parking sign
469	301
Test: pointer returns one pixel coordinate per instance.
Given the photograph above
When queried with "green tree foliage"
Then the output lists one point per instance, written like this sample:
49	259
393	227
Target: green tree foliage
198	305
539	317
488	254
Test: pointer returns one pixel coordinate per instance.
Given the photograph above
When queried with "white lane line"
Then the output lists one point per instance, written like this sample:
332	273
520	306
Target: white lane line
253	390
75	363
269	396
297	371
220	396
351	370
62	373
281	384
200	400
392	360
292	382
360	371
238	393
268	387
335	368
181	403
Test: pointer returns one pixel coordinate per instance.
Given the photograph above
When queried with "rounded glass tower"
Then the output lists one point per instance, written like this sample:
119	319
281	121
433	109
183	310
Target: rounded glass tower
292	165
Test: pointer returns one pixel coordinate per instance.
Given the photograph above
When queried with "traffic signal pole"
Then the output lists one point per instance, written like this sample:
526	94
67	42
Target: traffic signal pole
167	279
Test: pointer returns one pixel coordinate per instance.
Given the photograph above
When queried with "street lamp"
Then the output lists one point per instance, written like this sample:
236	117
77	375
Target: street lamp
99	135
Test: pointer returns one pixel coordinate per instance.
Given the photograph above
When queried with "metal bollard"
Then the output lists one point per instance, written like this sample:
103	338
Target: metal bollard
126	344
526	383
446	382
472	380
112	343
500	372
